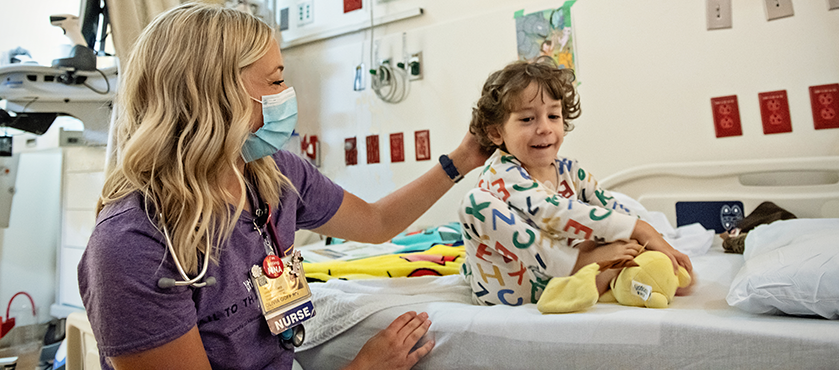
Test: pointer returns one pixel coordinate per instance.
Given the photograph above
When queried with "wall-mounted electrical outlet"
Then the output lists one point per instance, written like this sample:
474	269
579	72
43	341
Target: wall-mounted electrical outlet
777	9
824	100
774	112
726	116
422	145
832	4
350	151
397	148
305	12
718	14
373	149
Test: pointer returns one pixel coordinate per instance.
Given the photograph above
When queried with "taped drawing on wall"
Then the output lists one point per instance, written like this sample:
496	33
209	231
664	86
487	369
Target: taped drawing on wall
547	32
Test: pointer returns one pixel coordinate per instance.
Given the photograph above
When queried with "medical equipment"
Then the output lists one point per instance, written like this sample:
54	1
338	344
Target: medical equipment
9	323
165	283
73	86
70	24
293	337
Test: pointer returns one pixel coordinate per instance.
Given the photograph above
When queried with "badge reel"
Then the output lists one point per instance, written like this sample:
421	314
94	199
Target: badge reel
284	296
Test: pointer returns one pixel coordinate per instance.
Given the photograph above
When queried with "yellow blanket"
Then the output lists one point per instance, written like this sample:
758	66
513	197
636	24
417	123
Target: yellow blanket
438	260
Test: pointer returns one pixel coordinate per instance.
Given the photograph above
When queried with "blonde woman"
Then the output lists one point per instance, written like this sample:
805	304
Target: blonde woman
203	108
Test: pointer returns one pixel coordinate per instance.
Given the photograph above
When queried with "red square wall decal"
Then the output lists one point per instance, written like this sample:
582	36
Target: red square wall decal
774	112
726	116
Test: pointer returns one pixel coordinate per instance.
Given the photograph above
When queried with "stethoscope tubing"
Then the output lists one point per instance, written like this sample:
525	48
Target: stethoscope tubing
169	282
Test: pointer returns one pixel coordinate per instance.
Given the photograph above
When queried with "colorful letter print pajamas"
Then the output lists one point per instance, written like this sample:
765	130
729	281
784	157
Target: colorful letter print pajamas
519	233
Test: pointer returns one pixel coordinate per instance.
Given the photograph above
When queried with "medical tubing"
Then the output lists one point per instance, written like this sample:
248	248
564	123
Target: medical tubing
398	83
107	83
13	298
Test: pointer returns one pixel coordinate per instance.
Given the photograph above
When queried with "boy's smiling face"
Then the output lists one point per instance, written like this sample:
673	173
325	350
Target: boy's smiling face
533	132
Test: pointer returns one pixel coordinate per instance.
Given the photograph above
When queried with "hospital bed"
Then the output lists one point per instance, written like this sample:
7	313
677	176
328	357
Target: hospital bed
701	330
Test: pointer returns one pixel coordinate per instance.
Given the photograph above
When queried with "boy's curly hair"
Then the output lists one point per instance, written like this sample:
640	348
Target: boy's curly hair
501	91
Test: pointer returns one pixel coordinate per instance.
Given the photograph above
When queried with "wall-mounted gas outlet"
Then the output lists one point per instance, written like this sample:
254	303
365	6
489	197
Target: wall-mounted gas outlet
777	9
414	67
718	14
305	12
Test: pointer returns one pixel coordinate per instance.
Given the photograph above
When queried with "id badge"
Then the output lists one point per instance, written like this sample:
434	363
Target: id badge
286	300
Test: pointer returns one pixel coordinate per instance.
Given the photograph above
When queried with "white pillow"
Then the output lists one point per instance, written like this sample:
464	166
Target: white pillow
792	267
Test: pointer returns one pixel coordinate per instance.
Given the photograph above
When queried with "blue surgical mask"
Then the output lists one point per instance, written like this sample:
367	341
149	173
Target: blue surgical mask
279	116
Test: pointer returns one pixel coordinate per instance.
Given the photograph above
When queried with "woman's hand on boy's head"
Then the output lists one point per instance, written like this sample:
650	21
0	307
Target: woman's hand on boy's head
469	154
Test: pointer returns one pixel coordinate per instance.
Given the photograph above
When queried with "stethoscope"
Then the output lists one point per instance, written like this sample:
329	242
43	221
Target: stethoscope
291	337
165	283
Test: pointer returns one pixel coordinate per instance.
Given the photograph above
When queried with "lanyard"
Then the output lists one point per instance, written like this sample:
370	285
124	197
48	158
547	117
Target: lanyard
263	225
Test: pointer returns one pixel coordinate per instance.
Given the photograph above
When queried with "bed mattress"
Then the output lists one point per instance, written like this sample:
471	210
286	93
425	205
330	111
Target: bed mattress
700	331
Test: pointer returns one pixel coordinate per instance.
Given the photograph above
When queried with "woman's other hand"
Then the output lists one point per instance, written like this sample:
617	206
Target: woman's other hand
391	347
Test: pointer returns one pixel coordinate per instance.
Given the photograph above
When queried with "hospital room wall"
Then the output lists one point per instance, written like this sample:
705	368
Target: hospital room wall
647	71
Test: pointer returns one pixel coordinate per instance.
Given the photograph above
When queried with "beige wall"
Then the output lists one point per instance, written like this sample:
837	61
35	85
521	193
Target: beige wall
647	68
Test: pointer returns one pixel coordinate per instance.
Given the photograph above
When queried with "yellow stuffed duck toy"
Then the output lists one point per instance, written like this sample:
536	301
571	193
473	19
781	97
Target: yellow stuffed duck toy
650	284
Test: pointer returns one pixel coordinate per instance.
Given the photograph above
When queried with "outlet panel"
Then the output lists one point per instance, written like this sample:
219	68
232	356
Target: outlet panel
350	5
305	12
397	148
777	9
414	67
832	4
726	116
373	149
824	100
422	141
310	148
350	151
283	19
774	112
718	14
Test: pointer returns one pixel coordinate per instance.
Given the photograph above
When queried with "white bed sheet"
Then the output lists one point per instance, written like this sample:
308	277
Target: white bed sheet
700	331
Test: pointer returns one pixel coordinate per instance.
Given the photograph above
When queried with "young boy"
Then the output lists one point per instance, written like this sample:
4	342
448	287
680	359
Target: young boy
535	215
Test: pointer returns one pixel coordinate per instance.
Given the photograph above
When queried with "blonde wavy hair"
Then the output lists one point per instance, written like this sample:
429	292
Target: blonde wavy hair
182	118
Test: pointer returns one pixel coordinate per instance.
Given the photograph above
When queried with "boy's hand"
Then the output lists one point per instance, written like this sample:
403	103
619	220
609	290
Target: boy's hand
649	236
611	253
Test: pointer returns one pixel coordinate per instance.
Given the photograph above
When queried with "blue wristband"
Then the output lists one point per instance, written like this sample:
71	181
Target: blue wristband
450	169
